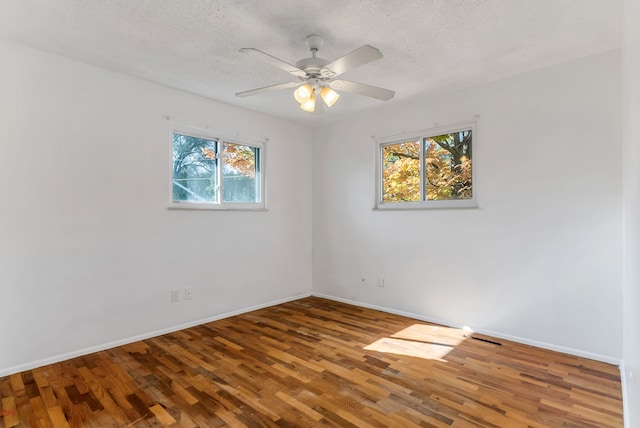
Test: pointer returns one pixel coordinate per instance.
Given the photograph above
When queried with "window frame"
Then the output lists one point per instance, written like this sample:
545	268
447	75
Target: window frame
220	139
420	136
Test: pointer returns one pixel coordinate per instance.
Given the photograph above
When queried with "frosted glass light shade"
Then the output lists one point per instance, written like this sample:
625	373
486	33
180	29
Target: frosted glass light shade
309	105
329	96
303	93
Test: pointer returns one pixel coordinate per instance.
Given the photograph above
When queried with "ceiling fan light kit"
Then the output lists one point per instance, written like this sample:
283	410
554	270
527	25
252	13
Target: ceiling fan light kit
316	76
306	95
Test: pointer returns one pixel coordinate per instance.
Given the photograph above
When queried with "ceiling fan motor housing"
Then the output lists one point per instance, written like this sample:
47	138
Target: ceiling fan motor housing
312	66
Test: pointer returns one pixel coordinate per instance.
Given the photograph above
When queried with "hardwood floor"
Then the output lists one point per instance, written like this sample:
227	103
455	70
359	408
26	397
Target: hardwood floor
316	362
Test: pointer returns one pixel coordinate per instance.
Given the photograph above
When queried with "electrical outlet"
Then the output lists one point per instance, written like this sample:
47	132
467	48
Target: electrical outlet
188	293
381	281
175	296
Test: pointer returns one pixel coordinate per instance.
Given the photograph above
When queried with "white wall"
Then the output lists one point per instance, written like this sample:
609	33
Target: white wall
631	144
539	260
88	248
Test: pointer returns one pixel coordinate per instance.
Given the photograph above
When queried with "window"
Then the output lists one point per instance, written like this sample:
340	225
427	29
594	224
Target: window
428	169
210	172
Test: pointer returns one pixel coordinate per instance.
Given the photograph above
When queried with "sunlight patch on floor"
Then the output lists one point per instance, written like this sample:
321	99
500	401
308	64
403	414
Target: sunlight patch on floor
421	341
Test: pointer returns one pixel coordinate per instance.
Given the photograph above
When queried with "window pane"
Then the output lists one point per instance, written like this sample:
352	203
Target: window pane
194	169
401	172
448	166
240	173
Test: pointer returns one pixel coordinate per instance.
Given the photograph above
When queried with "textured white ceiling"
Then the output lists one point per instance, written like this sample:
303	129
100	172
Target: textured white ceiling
427	45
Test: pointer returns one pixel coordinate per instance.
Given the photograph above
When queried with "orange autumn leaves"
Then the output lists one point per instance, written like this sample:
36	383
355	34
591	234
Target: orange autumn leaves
401	172
447	169
240	158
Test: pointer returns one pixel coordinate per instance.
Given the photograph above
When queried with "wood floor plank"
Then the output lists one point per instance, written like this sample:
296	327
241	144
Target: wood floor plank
58	417
316	362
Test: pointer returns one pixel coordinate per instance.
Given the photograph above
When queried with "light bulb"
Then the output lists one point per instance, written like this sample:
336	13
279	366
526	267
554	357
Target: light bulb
303	93
329	96
309	105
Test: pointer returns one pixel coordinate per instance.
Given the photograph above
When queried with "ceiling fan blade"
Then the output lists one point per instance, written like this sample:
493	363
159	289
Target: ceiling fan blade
353	59
362	89
268	89
276	62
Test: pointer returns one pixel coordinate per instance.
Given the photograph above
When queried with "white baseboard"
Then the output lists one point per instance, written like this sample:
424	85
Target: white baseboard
544	345
85	351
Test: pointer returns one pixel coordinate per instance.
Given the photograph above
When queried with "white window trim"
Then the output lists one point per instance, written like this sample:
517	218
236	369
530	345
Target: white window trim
225	206
420	135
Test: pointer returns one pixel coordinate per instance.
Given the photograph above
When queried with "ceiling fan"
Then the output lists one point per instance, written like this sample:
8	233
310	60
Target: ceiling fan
317	76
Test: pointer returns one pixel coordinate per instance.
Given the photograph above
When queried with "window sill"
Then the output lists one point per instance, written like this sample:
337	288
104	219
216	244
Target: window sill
433	205
216	207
